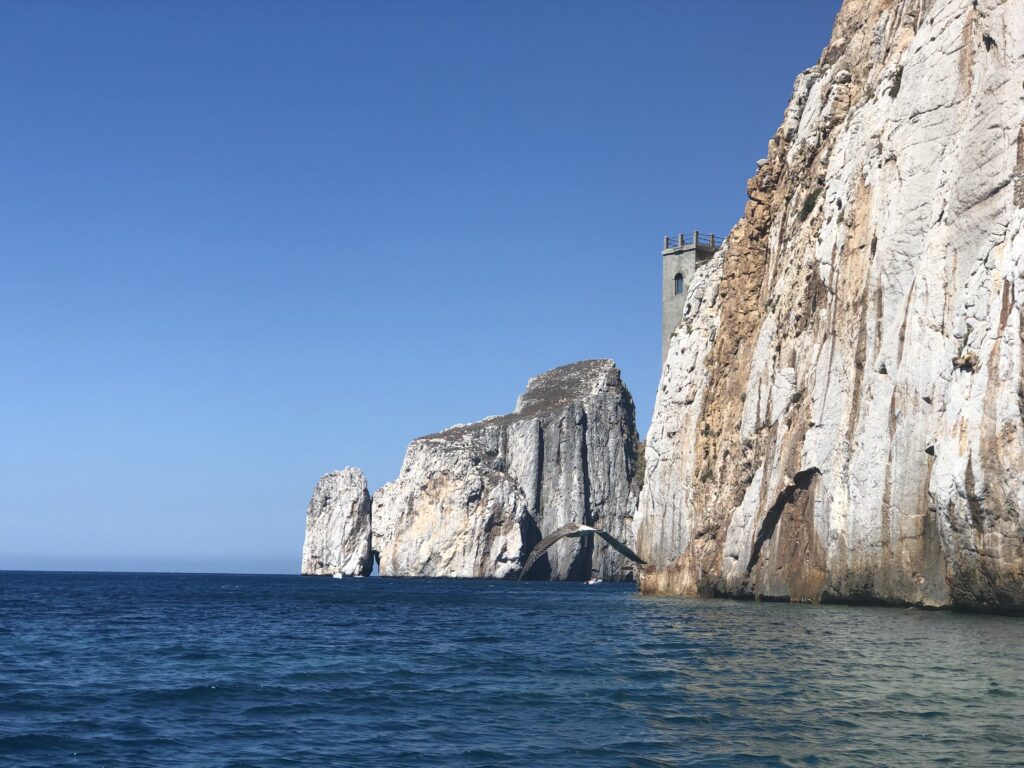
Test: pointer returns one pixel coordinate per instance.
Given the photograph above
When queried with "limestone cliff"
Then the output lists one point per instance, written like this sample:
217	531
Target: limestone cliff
338	526
841	413
471	501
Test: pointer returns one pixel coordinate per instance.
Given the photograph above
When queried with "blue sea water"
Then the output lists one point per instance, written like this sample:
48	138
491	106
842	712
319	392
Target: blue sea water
217	670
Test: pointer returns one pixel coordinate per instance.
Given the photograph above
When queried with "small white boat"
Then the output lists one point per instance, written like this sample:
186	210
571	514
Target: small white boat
338	575
594	581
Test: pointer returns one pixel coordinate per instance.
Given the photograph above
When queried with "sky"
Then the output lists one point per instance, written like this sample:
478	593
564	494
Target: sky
246	243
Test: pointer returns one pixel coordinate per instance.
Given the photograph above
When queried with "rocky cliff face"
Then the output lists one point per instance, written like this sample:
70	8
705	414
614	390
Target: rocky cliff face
471	501
338	526
841	414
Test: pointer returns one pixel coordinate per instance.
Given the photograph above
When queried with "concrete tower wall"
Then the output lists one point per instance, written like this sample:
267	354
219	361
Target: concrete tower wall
674	262
680	257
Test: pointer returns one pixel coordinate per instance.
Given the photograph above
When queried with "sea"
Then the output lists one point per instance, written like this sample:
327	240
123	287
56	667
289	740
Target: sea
115	669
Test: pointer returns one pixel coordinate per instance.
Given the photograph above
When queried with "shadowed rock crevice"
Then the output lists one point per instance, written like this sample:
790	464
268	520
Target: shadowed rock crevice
582	567
801	483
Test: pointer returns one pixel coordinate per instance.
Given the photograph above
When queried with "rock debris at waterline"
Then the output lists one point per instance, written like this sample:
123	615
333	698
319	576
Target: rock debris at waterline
471	501
841	412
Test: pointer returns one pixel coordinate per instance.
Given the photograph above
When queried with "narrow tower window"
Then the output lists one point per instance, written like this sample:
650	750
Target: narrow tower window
680	286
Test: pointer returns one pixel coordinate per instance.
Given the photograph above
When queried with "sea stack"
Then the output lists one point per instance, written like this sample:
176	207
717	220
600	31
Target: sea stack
338	526
472	500
841	410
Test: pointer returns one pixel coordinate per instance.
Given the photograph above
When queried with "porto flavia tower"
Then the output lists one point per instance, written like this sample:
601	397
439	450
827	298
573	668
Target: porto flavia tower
679	258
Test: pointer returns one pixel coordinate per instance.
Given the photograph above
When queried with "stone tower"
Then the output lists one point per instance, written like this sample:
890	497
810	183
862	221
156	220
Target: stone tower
679	258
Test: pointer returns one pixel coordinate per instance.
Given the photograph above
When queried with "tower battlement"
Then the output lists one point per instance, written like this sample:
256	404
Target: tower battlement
680	257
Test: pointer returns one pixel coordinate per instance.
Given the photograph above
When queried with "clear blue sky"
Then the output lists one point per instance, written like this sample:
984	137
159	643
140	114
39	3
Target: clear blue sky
245	243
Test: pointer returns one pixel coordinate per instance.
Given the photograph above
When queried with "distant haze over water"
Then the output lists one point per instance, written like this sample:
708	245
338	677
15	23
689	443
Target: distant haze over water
248	564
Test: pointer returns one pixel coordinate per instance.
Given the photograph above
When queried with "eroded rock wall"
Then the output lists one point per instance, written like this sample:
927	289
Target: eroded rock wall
471	501
338	526
840	413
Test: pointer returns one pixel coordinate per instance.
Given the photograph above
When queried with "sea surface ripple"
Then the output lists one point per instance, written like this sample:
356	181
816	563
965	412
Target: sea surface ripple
218	670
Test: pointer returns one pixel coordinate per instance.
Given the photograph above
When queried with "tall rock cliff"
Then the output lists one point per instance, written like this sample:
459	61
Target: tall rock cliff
841	413
472	501
338	526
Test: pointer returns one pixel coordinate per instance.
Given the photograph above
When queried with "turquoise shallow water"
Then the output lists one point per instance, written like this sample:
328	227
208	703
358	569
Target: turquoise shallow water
214	670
